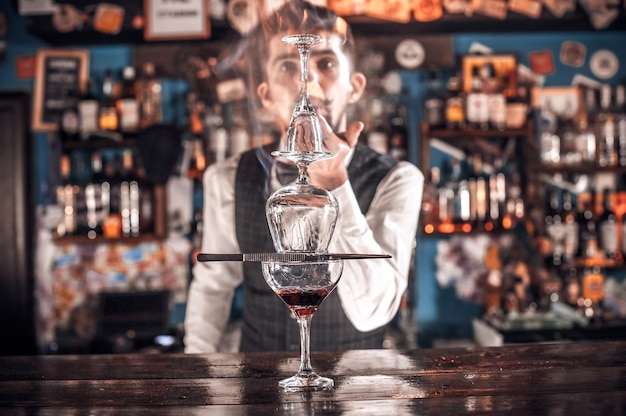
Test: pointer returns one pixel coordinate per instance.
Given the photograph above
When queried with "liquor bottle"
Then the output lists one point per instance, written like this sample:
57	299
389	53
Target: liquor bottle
69	124
127	104
217	135
458	197
96	197
66	198
238	130
477	103
88	109
568	131
112	224
146	197
592	290
497	195
81	176
398	142
447	198
586	138
430	200
550	143
150	92
608	226
455	105
555	228
605	129
496	100
588	234
108	117
129	196
434	103
620	123
481	196
570	224
378	135
463	222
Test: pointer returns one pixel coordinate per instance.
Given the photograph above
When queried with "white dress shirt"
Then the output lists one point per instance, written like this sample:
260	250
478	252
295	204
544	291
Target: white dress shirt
370	290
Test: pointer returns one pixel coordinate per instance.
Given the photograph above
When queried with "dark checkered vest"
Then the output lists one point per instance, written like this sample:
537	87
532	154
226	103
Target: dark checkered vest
268	324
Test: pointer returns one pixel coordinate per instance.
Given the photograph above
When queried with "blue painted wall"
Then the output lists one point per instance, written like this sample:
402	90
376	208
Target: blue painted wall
439	313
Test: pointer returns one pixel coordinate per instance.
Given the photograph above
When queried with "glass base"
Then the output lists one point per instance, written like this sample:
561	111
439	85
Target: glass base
308	382
303	156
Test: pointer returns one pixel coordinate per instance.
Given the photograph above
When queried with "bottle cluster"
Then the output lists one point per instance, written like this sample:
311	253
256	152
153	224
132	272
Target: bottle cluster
466	196
583	237
104	197
215	131
386	126
489	102
590	134
115	107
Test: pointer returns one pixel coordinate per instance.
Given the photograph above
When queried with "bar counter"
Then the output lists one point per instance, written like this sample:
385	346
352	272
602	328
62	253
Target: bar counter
534	379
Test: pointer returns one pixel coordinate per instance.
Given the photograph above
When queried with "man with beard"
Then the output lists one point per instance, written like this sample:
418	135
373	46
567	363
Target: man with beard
379	201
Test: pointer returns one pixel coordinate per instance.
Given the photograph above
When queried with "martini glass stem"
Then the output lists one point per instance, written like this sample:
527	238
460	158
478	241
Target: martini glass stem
304	50
303	176
304	323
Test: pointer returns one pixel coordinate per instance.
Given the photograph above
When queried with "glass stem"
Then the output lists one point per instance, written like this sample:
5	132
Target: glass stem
304	323
303	177
305	51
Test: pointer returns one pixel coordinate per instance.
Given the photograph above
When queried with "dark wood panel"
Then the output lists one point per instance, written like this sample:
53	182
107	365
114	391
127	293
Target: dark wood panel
600	404
16	231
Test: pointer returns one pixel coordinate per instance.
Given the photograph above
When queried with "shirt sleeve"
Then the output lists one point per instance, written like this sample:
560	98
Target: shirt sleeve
371	290
213	284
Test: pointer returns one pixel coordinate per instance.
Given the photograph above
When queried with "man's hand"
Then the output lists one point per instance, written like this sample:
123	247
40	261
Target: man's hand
332	173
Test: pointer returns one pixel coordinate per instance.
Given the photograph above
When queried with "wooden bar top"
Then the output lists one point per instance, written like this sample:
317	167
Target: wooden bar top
586	378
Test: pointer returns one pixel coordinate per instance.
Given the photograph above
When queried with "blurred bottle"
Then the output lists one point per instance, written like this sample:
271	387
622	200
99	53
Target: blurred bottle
430	201
496	99
434	103
620	123
455	105
398	142
497	195
95	194
607	225
108	117
69	124
88	109
592	291
588	235
586	138
150	96
568	131
605	129
549	141
555	228
570	224
217	134
66	198
446	198
238	129
127	104
481	193
477	103
378	135
112	225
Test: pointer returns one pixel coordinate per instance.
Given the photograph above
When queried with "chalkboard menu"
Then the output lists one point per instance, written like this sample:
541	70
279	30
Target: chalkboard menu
60	80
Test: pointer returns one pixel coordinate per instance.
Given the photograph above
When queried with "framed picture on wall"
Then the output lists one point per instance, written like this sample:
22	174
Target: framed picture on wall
498	71
60	79
565	102
176	20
